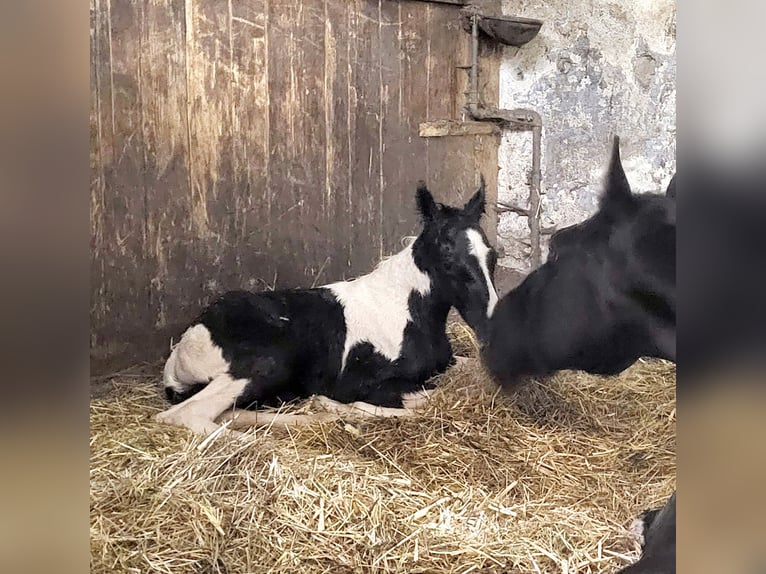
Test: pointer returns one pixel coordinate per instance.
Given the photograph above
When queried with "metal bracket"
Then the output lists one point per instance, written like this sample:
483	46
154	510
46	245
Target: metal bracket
453	2
442	128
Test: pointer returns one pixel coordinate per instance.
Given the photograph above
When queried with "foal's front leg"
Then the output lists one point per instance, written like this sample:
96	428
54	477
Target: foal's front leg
198	413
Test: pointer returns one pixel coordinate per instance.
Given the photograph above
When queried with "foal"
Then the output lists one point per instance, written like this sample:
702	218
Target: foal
372	341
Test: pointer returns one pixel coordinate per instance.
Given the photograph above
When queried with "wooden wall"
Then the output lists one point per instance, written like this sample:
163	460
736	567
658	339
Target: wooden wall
262	143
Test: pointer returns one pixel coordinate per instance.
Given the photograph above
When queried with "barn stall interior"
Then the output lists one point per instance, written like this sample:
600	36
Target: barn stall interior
268	144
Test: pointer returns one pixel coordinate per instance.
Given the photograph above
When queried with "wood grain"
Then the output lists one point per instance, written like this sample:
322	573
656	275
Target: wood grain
260	144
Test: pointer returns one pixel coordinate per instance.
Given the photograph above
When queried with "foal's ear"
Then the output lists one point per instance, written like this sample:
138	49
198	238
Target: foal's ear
617	192
425	202
475	206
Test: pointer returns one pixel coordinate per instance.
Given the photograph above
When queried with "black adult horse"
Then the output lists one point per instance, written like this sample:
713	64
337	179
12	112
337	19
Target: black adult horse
604	297
607	296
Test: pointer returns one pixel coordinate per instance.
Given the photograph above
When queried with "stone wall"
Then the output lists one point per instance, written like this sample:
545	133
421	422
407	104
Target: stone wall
595	69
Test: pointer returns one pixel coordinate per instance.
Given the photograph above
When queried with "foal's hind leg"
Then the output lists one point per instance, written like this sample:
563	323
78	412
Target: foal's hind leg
198	413
411	402
333	409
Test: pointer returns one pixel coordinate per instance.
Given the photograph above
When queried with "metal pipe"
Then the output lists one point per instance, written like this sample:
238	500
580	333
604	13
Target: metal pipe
520	119
515	119
533	221
473	92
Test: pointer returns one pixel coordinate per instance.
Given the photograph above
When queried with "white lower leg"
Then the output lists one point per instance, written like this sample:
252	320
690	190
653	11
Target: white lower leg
198	413
244	418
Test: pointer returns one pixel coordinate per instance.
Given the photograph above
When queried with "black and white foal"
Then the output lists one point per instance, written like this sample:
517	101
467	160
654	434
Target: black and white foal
372	342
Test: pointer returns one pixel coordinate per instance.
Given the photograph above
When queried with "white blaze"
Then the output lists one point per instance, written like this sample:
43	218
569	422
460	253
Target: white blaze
480	250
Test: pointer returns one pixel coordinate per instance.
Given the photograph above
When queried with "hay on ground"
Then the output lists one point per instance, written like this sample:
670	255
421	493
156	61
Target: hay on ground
543	481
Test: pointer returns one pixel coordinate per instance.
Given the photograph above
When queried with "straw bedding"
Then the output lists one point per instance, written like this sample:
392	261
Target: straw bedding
545	480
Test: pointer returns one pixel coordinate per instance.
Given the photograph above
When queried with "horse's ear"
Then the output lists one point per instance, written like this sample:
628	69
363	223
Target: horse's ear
671	190
476	205
617	192
425	202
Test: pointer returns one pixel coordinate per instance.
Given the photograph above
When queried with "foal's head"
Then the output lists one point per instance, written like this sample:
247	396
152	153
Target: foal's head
454	251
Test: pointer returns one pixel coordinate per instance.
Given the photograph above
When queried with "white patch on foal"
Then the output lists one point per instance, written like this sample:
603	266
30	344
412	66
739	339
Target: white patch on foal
195	359
199	412
480	250
376	305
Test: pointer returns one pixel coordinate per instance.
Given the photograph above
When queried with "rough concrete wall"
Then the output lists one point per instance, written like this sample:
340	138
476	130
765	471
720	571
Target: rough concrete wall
596	68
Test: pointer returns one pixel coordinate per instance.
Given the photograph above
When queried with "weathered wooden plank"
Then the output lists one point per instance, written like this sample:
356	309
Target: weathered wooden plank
455	164
338	117
444	128
121	318
486	147
454	2
450	162
404	153
397	219
100	134
318	227
227	260
215	180
366	208
168	253
297	139
249	99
